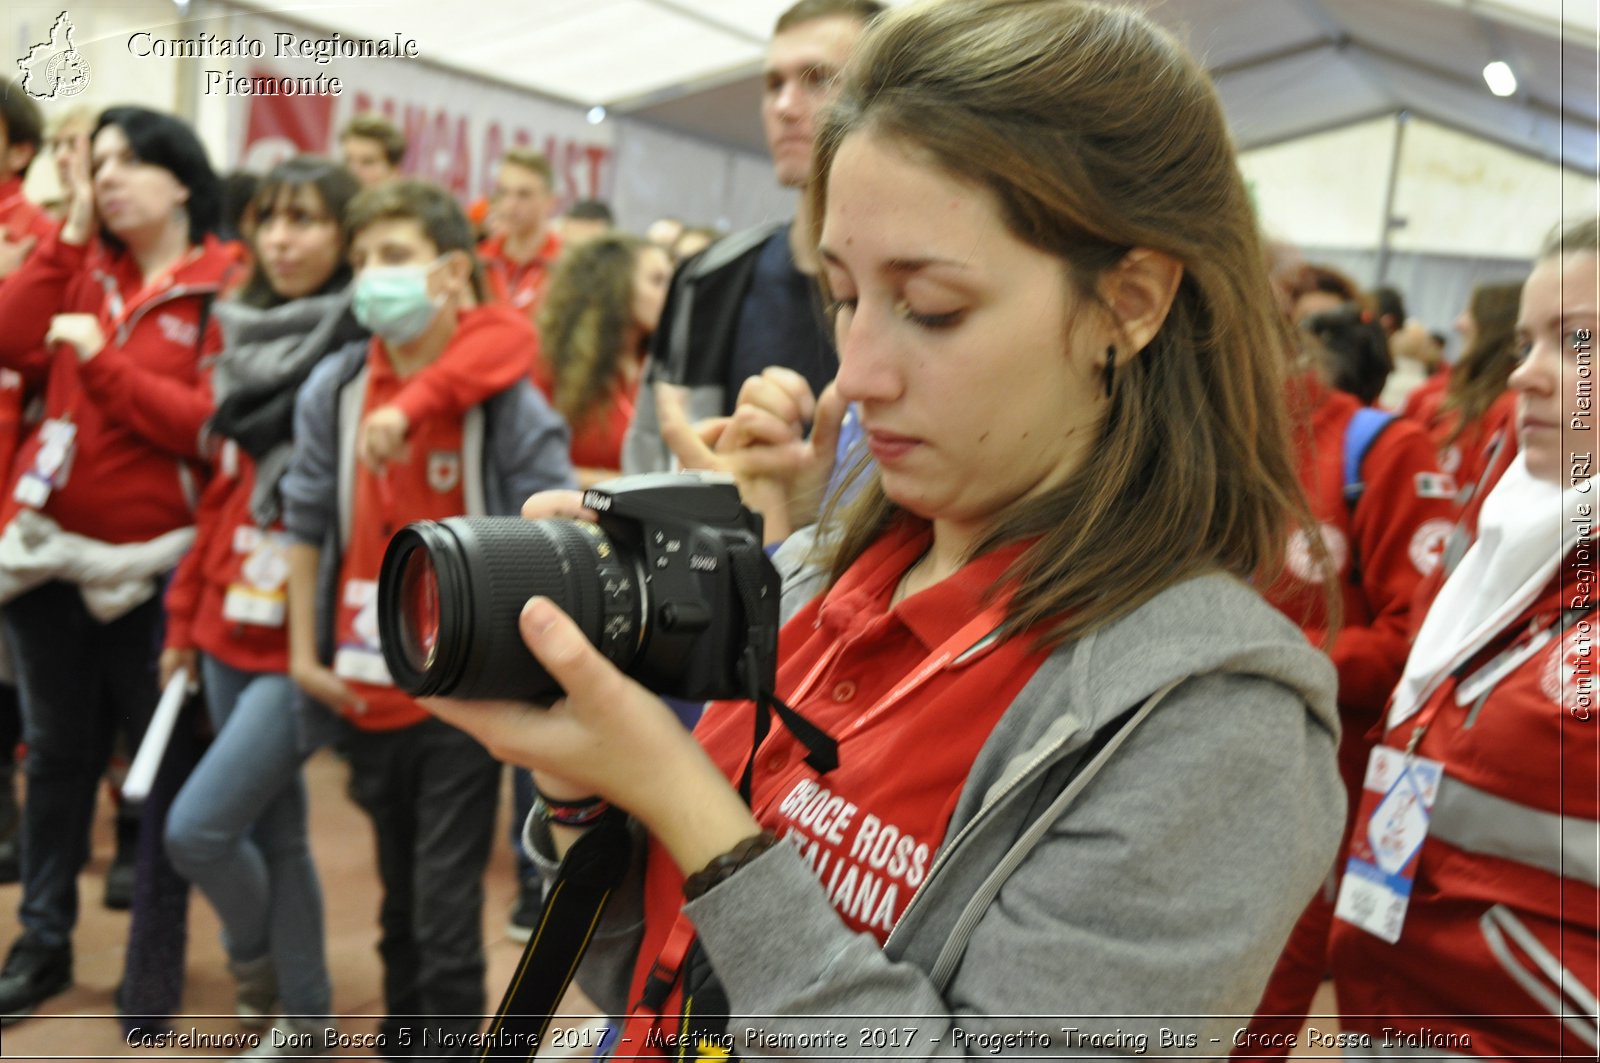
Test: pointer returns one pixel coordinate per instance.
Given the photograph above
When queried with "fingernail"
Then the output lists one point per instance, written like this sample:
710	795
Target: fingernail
539	615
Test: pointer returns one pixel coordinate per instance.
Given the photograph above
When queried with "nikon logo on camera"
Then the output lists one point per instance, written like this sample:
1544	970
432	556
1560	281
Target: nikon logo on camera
597	501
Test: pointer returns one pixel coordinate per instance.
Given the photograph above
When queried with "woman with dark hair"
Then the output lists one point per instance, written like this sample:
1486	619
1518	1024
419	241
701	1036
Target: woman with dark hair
1078	767
237	829
596	318
1355	352
118	333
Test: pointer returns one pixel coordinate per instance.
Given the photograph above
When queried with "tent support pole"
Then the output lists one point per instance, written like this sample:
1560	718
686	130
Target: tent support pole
1388	228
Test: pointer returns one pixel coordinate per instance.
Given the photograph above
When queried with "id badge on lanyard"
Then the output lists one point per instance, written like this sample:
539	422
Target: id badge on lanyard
1398	794
359	656
1391	823
260	596
52	463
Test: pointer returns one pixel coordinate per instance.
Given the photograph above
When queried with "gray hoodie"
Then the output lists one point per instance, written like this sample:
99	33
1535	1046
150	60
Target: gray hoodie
1159	899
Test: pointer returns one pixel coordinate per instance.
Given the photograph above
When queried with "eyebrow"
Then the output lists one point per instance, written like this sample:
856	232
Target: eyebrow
900	265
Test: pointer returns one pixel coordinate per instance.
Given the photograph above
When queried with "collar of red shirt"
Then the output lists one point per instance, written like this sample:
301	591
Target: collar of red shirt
495	248
933	615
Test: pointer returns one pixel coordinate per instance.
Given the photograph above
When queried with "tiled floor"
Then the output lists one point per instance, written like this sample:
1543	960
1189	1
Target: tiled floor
79	1025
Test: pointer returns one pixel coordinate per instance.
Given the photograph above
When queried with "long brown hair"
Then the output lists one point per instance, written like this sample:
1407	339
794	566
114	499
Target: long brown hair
585	321
1483	371
1097	133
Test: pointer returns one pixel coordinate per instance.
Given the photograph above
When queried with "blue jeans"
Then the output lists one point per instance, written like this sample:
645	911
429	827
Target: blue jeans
238	831
80	682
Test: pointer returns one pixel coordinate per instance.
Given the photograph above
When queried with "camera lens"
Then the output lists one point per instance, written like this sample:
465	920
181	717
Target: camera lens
419	607
450	592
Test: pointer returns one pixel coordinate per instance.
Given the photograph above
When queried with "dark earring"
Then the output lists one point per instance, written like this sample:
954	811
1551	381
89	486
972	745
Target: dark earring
1111	369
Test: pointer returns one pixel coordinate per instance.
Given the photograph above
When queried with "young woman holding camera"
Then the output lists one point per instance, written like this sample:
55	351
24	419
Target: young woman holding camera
1083	770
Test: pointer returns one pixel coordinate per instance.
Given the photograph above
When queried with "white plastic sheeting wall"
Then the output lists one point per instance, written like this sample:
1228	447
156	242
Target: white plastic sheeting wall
1468	211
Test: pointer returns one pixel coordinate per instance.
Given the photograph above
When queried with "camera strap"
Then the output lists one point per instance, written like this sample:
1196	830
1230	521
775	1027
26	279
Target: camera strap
756	581
591	869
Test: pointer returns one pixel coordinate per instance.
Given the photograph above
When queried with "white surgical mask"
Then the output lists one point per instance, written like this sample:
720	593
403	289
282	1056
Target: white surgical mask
393	301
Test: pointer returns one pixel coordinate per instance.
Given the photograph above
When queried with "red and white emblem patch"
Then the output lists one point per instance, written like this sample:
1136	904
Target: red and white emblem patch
1427	544
444	470
1568	673
1300	562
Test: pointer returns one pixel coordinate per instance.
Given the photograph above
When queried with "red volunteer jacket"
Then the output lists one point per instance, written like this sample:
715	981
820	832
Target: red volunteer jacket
138	406
21	217
1505	899
231	554
1498	454
1383	547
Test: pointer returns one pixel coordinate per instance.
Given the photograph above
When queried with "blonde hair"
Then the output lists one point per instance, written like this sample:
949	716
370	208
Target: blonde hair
1097	133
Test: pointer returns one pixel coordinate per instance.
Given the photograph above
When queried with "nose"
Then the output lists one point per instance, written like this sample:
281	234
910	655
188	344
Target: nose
786	103
869	362
273	232
1536	372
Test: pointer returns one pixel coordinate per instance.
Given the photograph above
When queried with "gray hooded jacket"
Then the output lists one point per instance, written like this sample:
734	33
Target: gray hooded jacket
1158	899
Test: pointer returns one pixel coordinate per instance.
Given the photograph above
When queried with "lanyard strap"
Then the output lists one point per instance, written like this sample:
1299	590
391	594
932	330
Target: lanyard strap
1490	674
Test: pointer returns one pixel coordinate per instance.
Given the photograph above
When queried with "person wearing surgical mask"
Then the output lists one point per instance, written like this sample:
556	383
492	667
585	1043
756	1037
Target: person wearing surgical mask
237	829
429	789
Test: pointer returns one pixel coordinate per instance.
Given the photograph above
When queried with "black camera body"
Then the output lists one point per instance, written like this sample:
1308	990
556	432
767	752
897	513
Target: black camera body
672	586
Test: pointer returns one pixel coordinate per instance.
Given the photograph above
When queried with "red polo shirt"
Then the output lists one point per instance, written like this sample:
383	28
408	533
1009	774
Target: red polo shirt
519	283
424	483
868	829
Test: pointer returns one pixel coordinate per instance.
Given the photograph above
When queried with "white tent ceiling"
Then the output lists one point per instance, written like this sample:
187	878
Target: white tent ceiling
1284	68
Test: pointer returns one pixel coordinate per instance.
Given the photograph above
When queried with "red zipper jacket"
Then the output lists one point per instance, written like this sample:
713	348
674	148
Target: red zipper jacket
138	406
1505	900
1383	547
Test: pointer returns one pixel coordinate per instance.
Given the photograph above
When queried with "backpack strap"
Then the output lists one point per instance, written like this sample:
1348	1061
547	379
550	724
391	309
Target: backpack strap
1359	435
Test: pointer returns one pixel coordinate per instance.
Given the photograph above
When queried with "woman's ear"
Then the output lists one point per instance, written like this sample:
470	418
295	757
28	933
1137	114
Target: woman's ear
1139	290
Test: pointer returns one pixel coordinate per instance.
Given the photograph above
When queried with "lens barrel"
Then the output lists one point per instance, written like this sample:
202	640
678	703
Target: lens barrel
450	592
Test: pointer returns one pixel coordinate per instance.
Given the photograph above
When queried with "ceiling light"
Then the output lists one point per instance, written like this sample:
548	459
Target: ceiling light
597	114
1502	82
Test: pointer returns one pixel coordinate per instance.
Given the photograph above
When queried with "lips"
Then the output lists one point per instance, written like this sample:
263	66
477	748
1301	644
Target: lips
1535	424
888	447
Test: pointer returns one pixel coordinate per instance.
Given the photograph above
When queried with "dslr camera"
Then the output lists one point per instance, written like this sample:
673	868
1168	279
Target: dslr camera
672	586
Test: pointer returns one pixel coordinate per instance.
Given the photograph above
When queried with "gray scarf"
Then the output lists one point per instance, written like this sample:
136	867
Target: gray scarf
266	356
